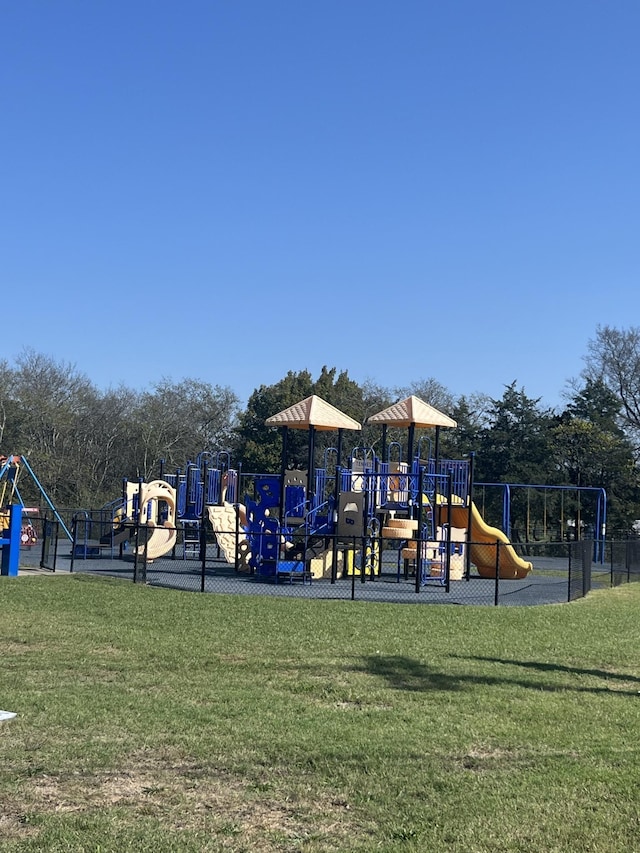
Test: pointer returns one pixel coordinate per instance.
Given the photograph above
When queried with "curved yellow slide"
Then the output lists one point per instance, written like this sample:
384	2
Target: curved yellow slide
483	540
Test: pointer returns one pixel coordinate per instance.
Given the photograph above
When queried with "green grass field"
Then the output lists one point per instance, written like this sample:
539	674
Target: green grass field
154	720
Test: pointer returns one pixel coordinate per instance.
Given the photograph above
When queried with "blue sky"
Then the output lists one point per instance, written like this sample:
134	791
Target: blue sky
228	190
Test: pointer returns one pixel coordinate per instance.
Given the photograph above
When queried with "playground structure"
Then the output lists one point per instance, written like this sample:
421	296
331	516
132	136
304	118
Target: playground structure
333	521
14	514
362	513
17	521
484	551
153	505
142	521
413	512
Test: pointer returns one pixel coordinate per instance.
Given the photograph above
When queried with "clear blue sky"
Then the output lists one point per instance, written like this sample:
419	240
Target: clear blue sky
231	189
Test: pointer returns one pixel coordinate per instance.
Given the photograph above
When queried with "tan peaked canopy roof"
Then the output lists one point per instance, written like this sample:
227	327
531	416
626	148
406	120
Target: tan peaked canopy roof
313	412
410	411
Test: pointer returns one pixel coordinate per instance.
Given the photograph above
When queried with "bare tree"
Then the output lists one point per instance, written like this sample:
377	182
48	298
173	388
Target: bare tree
7	392
613	358
431	391
177	420
49	399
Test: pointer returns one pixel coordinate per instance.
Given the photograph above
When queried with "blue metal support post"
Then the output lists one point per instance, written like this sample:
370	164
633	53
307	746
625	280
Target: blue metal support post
11	543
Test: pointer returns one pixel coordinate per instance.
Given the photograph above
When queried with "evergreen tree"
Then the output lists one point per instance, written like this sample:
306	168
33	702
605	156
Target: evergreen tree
514	446
260	447
592	450
470	413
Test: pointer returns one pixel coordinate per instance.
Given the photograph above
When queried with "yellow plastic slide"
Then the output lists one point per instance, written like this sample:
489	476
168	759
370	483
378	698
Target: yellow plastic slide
483	547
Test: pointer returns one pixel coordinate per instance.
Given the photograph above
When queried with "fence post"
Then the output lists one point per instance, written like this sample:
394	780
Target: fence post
74	541
203	554
143	573
496	591
45	542
627	558
467	550
353	572
50	530
447	567
137	534
236	525
587	550
203	533
611	579
419	562
335	517
55	526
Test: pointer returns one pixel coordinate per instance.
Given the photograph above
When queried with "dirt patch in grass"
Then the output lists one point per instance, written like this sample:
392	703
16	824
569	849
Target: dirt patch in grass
490	760
185	797
22	647
487	759
13	822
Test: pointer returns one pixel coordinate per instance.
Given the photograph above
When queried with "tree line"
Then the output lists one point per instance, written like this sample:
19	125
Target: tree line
82	441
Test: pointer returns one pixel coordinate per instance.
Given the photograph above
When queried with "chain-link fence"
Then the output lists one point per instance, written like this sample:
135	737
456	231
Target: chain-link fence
368	568
623	559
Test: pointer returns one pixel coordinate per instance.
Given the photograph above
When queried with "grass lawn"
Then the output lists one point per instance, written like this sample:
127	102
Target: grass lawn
154	720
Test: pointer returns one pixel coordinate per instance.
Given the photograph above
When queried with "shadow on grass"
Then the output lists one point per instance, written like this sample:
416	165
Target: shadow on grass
555	667
404	673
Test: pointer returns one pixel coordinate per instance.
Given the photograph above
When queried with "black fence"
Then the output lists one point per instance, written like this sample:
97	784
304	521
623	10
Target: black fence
623	558
365	568
49	537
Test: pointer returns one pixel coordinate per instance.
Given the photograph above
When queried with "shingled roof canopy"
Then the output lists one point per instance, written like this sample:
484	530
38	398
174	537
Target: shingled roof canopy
313	412
412	411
